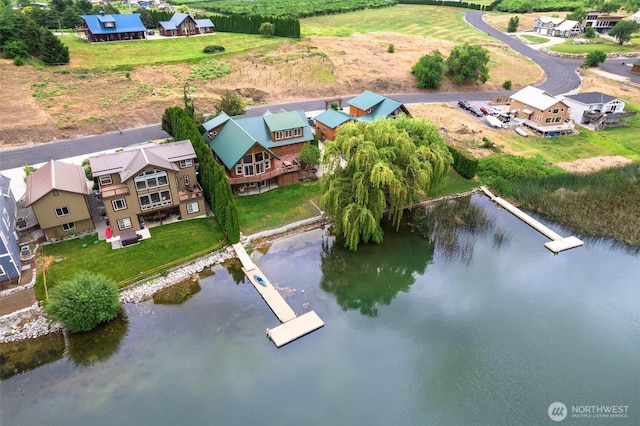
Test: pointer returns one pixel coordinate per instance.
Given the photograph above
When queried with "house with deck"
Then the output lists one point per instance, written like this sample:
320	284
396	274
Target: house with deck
10	264
58	194
367	106
184	24
601	22
557	27
597	110
259	153
540	111
148	182
119	27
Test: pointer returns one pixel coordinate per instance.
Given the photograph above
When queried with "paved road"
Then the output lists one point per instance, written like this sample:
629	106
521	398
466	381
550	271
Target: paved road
561	78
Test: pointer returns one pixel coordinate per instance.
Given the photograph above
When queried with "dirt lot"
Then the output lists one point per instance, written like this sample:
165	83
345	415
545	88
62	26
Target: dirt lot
45	105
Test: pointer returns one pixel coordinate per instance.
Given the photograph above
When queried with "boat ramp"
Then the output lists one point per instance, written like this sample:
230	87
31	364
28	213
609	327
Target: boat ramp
557	244
293	326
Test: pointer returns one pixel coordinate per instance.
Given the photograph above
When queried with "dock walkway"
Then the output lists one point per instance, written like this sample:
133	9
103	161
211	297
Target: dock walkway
293	326
557	244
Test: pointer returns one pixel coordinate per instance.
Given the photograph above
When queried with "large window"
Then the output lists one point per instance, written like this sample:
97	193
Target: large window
155	199
124	223
62	211
254	164
119	204
297	132
151	179
68	226
248	165
186	163
193	208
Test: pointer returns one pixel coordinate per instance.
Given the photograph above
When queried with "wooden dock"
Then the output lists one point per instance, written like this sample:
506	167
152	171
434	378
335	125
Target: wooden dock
293	326
557	244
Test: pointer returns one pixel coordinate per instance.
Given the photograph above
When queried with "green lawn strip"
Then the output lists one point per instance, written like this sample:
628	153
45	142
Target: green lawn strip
605	45
278	207
445	23
534	39
454	184
587	143
167	50
168	244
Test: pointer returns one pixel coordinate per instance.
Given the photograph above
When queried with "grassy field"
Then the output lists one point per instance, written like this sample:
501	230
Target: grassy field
167	247
167	50
605	45
534	39
437	22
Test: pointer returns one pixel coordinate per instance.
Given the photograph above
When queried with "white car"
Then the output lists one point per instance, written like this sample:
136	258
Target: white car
495	111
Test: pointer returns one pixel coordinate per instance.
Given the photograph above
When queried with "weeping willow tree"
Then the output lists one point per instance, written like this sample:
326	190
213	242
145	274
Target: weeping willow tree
377	167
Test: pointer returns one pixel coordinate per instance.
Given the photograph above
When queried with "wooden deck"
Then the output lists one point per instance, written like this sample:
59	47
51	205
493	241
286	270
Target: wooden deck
293	326
557	244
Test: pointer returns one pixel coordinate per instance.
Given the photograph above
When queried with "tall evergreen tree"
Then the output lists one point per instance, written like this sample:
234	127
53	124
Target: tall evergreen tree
52	50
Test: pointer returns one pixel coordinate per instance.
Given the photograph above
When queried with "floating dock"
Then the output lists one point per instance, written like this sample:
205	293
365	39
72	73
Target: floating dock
293	326
557	244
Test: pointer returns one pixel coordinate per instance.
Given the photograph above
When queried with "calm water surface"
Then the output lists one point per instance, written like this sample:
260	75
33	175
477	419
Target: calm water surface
413	336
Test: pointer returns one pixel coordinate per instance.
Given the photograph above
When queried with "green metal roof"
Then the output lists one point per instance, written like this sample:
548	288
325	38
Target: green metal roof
332	118
366	100
283	121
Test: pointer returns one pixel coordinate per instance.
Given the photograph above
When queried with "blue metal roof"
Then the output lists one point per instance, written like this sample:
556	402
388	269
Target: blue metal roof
124	23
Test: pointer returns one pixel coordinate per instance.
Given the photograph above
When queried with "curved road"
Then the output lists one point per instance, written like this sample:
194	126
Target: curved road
561	77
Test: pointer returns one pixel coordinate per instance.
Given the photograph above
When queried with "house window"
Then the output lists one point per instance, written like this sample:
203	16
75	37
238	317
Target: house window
239	168
2	270
278	135
151	179
155	199
55	193
324	129
186	163
538	118
186	180
297	132
248	165
555	110
124	223
259	163
193	208
288	133
548	120
68	226
105	180
62	211
558	119
212	134
6	218
119	204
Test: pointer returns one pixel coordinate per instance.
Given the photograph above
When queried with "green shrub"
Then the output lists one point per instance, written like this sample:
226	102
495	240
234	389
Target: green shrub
486	142
507	85
590	32
14	49
593	59
463	163
18	61
83	302
391	48
213	49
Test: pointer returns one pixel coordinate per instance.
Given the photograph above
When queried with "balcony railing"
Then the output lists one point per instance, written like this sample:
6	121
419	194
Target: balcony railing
193	192
264	176
114	190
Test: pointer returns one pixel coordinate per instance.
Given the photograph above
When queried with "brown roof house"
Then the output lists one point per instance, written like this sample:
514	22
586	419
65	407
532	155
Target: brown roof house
149	182
538	110
58	192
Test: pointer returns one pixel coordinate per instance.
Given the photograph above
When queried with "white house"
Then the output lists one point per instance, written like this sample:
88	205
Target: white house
596	108
545	25
567	29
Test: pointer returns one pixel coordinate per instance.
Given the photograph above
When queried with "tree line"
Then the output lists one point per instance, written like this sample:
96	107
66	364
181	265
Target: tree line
180	124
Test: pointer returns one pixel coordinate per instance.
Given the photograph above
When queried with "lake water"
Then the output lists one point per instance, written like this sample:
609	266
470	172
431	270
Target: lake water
414	335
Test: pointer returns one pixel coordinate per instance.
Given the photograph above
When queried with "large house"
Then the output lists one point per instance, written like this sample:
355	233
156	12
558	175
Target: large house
557	27
537	109
148	182
259	153
367	106
119	27
57	192
601	22
184	24
10	264
597	109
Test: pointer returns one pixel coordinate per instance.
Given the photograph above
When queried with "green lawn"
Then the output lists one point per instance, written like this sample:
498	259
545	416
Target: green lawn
166	50
278	207
612	141
168	246
534	39
455	184
605	45
445	23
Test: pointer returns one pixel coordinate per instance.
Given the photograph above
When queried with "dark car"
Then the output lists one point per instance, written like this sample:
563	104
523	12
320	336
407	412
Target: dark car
464	104
475	111
505	117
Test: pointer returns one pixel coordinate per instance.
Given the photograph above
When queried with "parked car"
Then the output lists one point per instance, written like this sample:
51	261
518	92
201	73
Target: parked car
464	104
504	117
475	111
485	110
495	111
